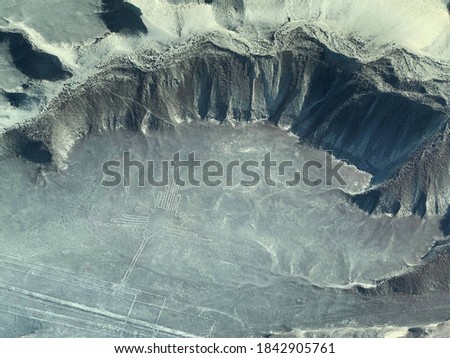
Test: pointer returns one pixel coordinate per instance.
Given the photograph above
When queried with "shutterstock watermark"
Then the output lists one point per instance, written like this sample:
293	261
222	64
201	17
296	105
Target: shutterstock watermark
190	171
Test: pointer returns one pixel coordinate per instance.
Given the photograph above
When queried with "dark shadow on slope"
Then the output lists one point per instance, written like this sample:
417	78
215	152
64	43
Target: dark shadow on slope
32	62
368	201
24	146
444	224
433	276
122	17
20	99
420	205
375	131
36	151
374	200
416	332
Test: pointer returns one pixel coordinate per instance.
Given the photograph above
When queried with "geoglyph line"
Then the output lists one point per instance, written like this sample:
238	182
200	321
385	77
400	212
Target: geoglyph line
136	258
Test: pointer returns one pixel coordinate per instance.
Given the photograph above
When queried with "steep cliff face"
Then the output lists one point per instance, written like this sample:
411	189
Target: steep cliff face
418	186
432	277
325	98
365	113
